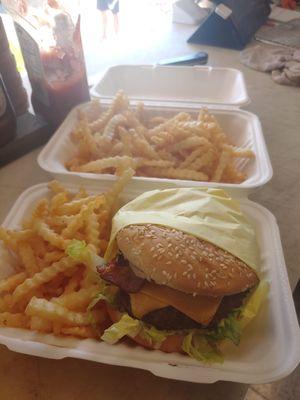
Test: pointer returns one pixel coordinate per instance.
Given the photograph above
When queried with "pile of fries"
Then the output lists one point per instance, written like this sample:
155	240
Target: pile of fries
107	141
50	291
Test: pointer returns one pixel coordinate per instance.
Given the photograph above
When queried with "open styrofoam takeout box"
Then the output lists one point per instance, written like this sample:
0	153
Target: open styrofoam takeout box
270	346
167	91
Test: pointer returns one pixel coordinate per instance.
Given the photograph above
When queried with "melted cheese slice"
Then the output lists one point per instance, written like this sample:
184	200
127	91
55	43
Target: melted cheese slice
153	297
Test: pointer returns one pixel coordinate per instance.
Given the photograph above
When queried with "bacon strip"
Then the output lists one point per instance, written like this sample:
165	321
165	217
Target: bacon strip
121	276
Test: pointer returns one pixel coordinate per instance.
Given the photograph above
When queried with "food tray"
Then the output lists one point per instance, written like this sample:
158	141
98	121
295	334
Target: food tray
242	128
270	347
166	91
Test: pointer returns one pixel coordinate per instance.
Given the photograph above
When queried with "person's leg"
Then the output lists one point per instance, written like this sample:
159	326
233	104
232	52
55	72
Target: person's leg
104	23
116	22
102	5
115	10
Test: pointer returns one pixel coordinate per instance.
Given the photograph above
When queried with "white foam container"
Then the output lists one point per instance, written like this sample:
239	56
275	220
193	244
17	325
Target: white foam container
167	91
270	347
169	84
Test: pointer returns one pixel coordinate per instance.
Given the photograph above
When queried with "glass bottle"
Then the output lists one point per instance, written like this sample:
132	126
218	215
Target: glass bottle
8	123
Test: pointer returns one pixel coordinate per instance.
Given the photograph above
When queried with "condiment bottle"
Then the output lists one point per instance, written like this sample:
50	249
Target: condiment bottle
49	36
8	123
11	76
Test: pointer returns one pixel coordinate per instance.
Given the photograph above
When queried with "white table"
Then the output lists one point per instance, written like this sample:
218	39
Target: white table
24	377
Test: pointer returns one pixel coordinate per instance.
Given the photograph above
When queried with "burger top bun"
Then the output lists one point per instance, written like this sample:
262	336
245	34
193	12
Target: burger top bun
183	262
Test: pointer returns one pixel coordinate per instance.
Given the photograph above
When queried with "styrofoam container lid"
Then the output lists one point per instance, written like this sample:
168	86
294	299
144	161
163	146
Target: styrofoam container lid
242	128
270	346
165	85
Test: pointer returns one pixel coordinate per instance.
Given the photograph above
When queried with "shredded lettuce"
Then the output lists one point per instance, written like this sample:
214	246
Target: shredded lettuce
107	294
197	346
228	328
253	303
153	335
126	326
81	252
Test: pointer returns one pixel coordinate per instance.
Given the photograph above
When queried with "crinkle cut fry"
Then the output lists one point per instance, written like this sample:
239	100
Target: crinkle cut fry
120	103
14	320
176	173
77	300
46	275
49	235
10	283
55	312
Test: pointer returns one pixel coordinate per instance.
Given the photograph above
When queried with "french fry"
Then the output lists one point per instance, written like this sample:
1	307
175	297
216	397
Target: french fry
53	256
189	143
40	324
56	187
192	157
38	246
110	128
120	132
28	258
9	284
73	207
119	104
74	282
84	332
77	301
49	235
55	312
93	231
58	200
17	320
223	161
46	275
6	303
53	289
113	194
104	163
140	112
202	161
81	194
177	173
8	240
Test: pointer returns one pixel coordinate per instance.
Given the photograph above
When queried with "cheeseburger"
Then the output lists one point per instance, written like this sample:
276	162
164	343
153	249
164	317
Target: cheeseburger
175	292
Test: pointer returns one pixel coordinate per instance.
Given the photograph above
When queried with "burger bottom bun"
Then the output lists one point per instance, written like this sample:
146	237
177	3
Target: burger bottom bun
172	344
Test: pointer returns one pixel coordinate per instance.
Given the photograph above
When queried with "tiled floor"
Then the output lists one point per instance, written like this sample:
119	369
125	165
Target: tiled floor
285	389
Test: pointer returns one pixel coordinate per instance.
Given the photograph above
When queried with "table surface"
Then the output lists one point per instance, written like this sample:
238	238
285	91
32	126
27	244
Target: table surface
25	377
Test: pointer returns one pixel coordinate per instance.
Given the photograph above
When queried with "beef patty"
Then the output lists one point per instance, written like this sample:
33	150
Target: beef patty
168	318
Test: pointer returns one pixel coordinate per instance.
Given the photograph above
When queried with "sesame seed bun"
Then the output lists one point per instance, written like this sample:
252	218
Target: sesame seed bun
183	262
